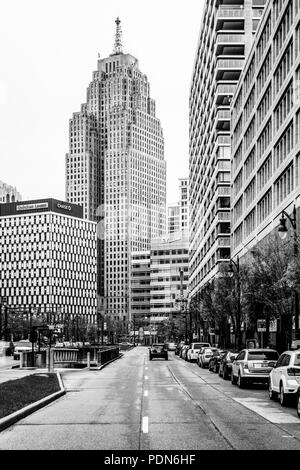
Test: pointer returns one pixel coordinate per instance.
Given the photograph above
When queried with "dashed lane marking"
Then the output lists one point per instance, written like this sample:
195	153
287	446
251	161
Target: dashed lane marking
146	377
146	393
267	410
145	424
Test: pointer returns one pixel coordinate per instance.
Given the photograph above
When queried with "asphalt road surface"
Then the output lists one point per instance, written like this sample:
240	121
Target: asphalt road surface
135	404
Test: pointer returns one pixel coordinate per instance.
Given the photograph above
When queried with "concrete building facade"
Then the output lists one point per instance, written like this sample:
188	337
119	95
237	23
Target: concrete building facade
48	260
225	39
178	213
168	257
265	128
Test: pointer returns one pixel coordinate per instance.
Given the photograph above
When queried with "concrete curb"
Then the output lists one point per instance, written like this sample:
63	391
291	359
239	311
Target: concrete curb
106	364
20	414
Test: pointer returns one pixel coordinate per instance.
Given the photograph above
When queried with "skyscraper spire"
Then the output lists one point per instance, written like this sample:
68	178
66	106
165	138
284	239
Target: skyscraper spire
118	40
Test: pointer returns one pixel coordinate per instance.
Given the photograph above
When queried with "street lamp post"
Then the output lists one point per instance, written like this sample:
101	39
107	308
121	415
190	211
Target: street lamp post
134	329
283	231
238	310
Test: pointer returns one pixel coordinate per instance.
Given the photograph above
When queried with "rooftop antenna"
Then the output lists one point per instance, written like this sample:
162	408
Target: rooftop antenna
118	40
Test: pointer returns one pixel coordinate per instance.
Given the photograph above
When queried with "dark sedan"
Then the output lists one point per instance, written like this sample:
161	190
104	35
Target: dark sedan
225	366
214	362
158	351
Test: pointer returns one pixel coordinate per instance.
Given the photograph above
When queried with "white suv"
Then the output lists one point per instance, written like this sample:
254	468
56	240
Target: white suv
285	377
193	351
253	365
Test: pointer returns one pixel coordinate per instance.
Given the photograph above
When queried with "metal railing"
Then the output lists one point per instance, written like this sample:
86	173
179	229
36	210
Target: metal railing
107	355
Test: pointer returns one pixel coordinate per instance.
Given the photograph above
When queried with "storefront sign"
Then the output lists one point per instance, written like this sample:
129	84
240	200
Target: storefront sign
28	207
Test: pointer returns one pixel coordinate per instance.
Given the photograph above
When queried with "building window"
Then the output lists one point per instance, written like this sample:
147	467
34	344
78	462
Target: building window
284	146
284	184
264	207
265	173
250	223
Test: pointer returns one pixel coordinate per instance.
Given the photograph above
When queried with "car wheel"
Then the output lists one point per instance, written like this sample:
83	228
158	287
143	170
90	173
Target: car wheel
233	379
283	399
150	358
240	381
272	394
166	358
298	404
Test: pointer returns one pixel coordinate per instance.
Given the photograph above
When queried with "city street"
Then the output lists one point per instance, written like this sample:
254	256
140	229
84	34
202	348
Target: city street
135	404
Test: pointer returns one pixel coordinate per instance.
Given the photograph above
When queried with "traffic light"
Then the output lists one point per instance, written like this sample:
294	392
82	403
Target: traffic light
33	335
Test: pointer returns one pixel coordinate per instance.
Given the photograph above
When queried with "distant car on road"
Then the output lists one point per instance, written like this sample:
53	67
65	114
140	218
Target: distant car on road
253	365
171	346
158	351
226	364
285	378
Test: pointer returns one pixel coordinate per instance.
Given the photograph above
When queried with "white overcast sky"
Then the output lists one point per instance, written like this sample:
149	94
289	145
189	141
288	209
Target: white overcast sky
48	51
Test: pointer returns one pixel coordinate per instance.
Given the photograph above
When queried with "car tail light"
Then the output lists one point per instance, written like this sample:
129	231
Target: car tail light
192	351
245	366
293	371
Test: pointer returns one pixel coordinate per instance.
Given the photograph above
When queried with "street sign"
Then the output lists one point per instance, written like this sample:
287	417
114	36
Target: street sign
273	326
261	325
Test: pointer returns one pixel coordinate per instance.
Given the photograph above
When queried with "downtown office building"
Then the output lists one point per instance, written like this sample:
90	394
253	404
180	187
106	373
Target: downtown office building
9	193
178	213
266	128
48	260
116	170
226	36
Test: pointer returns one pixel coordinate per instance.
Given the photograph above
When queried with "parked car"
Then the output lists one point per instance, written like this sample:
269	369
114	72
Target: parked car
193	351
171	346
214	361
183	351
253	365
285	378
158	351
177	349
225	366
204	356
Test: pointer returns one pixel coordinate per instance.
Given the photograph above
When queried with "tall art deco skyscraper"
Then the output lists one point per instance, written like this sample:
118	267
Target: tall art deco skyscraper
116	170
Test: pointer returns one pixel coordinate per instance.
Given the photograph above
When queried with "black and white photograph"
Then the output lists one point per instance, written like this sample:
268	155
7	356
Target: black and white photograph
150	228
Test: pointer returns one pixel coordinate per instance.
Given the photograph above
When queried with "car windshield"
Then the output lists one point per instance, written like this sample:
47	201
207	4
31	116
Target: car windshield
198	346
262	356
297	360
